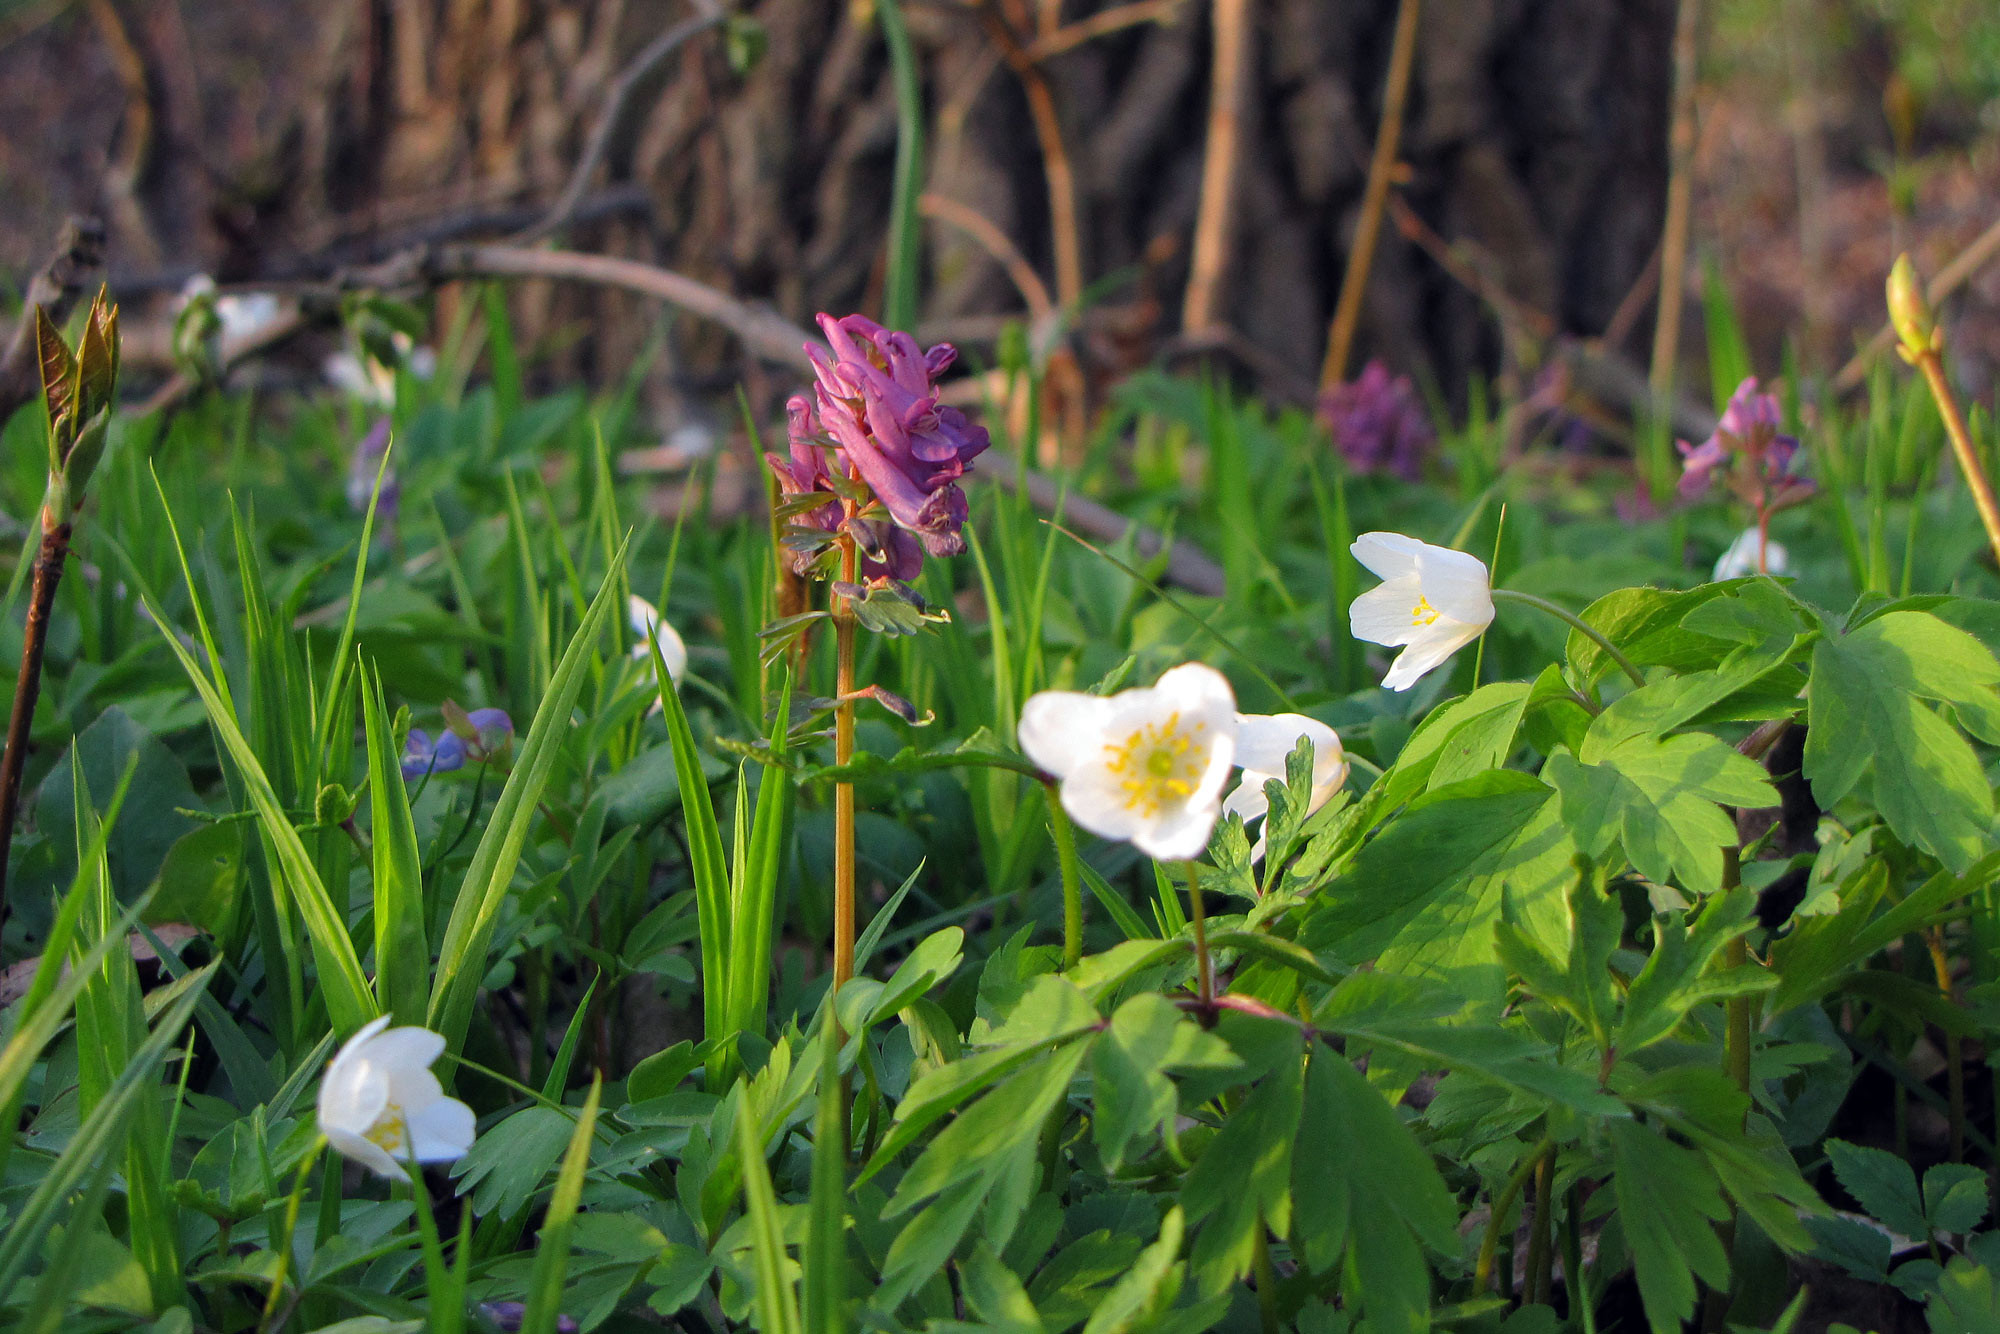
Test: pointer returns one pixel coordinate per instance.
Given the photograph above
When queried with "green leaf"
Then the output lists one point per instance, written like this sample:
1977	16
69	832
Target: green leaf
1423	896
973	1146
152	820
1148	1287
1668	1204
1867	720
1676	976
1134	1098
1461	739
1645	624
1955	1199
1657	799
1883	1184
402	956
1242	1182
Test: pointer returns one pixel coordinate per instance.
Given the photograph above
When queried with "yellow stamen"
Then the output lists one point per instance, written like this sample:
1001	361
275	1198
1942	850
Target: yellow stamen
1424	613
1157	764
387	1132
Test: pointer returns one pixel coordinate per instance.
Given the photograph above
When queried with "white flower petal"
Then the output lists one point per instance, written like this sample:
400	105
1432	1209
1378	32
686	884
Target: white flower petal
1740	559
1095	799
1456	584
1181	834
408	1046
364	1151
442	1131
1428	651
1061	730
1247	799
1264	741
1387	555
1386	613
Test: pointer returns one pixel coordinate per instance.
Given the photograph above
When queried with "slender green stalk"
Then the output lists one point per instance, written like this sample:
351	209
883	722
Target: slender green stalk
1268	1319
1576	623
1489	1244
1072	887
282	1243
1204	967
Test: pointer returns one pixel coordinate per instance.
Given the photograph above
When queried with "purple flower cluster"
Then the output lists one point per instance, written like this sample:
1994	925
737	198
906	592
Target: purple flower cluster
875	407
492	731
1766	478
1378	424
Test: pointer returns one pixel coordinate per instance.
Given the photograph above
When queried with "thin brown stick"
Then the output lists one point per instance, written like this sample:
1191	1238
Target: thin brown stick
997	244
1361	257
617	108
1976	480
1101	24
1680	202
28	685
1949	279
1065	237
1231	21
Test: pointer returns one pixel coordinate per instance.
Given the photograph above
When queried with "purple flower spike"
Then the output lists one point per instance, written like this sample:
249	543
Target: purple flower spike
876	397
887	552
1378	424
421	756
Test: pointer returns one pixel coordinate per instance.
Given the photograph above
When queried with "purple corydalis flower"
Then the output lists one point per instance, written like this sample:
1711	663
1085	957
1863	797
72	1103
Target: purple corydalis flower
887	551
1748	430
1378	424
877	398
361	470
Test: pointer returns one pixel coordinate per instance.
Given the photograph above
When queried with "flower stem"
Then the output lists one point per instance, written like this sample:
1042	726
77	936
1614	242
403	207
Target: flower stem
282	1243
1204	967
28	685
1932	367
1954	1052
1576	623
1072	887
1489	1245
843	792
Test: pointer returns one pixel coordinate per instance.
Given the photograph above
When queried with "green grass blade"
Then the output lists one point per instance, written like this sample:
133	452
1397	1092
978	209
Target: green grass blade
552	1252
349	1002
899	297
825	1259
711	874
97	1141
462	956
755	905
777	1304
402	955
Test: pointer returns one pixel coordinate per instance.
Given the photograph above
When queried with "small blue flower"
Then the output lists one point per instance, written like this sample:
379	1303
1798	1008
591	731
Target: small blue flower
495	729
421	756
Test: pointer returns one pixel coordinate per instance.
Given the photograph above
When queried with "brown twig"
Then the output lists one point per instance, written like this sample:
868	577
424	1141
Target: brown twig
1065	236
1231	20
997	244
1101	24
1680	201
618	108
78	256
1361	257
28	685
1949	279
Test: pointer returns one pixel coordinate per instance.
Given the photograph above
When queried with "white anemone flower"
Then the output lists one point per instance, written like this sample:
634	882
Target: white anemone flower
1146	766
381	1106
1432	602
1263	742
1741	558
648	624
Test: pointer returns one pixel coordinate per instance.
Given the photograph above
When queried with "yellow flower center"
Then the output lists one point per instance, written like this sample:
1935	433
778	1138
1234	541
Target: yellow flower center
1158	764
387	1132
1424	613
